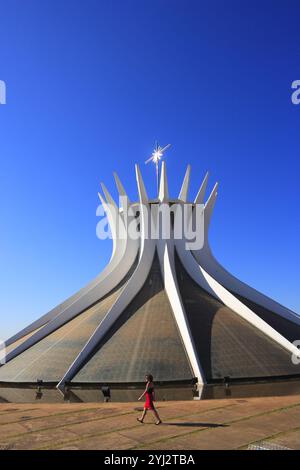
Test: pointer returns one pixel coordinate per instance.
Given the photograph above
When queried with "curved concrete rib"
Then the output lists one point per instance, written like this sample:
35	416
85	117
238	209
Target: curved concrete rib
117	253
113	216
210	285
165	249
206	259
125	253
163	186
209	205
129	292
121	190
143	196
215	269
201	193
166	257
183	195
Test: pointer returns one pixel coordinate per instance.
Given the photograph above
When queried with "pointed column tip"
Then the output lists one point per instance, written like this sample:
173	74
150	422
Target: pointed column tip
120	187
108	196
103	201
105	190
183	195
201	193
103	186
163	185
214	192
141	186
210	203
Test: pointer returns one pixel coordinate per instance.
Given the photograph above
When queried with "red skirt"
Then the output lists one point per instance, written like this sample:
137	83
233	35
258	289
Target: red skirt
149	402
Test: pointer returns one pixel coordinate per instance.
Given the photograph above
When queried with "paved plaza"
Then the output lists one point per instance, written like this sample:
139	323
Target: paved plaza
206	424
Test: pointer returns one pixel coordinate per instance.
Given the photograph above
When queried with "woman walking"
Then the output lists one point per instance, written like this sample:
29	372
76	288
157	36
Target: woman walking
149	393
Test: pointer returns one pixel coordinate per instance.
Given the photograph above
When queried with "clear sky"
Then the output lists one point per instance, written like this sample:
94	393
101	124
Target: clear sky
91	84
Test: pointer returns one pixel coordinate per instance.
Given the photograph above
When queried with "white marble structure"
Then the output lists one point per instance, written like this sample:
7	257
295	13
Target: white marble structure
272	320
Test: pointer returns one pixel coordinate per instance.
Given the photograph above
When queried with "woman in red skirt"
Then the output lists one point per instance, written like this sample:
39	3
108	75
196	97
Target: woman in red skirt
149	393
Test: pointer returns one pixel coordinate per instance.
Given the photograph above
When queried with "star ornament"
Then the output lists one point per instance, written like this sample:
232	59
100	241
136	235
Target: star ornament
157	153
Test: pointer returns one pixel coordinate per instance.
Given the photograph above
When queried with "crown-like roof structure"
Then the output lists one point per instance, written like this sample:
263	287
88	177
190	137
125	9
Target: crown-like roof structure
157	307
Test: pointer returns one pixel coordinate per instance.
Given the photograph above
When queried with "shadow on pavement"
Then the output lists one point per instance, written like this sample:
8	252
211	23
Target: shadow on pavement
198	425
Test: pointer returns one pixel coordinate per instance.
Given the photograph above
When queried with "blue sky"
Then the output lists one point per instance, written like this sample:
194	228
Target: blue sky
90	86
